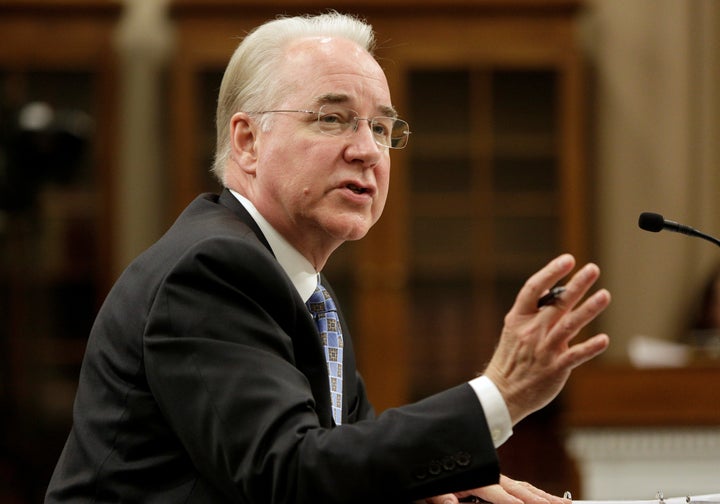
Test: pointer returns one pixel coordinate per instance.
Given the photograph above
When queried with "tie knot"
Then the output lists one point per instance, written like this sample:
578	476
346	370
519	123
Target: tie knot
320	301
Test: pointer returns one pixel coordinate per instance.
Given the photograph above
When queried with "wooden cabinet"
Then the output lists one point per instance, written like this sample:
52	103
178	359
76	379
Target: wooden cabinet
57	118
632	429
484	206
491	186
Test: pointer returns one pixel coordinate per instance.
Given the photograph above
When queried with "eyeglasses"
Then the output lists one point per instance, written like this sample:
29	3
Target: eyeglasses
334	120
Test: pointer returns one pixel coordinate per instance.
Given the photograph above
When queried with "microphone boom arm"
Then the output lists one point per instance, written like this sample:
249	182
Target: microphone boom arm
655	222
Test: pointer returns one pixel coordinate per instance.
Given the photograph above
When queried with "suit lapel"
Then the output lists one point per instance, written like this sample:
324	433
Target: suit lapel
309	355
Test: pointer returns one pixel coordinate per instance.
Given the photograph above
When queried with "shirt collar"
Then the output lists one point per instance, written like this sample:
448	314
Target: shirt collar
301	272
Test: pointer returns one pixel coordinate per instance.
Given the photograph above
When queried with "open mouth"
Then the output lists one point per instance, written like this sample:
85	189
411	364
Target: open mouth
356	189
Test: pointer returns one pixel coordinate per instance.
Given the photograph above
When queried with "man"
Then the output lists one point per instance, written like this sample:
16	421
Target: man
205	377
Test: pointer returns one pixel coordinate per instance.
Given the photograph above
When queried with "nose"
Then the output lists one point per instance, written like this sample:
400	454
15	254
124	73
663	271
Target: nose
362	145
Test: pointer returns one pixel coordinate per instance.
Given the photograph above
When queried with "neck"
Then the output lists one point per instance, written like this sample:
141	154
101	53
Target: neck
317	254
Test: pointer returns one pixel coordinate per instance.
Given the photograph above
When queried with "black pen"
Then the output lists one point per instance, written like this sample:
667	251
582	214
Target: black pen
551	296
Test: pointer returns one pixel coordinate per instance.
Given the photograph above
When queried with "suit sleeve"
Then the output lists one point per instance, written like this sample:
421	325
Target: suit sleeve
230	358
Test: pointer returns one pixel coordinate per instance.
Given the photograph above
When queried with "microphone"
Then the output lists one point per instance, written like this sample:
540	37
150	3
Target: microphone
655	223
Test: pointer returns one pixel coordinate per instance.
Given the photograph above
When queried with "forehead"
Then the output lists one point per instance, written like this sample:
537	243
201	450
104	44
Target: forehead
319	67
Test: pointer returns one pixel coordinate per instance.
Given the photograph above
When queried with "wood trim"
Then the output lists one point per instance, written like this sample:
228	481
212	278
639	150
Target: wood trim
95	8
610	396
398	7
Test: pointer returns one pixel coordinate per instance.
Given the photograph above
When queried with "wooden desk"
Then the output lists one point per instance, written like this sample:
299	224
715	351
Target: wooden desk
625	396
634	431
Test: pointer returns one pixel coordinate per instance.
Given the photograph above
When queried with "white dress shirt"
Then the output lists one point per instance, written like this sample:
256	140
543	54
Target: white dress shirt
305	278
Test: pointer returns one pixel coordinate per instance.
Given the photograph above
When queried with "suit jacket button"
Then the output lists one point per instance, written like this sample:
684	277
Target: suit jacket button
420	473
434	468
448	463
463	459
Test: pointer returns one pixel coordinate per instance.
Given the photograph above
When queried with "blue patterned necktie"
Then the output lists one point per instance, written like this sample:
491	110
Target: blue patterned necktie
325	314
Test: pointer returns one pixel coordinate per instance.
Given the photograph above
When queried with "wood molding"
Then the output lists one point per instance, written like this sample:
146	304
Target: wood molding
111	8
617	396
399	7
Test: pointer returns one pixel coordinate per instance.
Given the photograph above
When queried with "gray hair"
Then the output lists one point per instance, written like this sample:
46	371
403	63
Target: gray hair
250	81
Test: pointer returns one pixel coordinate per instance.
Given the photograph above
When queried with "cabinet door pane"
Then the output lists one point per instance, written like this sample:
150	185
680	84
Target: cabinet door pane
483	181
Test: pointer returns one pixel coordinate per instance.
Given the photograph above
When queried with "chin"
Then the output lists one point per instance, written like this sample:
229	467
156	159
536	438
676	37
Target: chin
344	225
352	234
351	231
356	236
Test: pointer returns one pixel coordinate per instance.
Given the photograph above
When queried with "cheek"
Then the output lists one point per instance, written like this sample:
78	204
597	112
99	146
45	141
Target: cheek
382	179
296	185
282	168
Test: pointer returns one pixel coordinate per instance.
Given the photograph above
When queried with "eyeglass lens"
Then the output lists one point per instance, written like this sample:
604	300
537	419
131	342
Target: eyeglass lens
387	131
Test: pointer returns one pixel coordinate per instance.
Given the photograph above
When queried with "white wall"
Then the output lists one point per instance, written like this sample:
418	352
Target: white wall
636	464
656	116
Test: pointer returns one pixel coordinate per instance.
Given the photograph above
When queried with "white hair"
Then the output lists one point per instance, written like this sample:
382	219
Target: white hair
250	82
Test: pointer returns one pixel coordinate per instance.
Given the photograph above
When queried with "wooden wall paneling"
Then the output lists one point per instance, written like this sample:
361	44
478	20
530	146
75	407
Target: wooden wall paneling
57	247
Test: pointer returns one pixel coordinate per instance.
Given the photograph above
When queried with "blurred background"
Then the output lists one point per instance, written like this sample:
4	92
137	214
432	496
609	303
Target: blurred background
539	127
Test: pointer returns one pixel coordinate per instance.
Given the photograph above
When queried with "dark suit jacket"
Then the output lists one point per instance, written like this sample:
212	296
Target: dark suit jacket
204	381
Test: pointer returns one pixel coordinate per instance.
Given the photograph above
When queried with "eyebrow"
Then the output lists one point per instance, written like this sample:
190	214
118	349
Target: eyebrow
343	98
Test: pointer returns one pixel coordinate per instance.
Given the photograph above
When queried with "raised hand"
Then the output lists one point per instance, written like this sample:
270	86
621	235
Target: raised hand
535	354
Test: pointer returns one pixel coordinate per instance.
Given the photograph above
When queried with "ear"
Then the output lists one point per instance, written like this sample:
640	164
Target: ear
243	142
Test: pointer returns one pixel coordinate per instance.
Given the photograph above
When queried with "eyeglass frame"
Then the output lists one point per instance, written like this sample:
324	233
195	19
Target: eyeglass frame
355	119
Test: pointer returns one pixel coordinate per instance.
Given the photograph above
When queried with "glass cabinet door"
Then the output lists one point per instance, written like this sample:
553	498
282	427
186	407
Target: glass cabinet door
483	213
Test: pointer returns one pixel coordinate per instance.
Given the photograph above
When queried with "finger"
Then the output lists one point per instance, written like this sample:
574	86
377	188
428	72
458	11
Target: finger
580	353
541	282
440	499
528	493
575	289
498	495
567	325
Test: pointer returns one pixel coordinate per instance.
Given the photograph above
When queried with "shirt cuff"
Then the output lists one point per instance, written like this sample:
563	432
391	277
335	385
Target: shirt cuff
495	409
